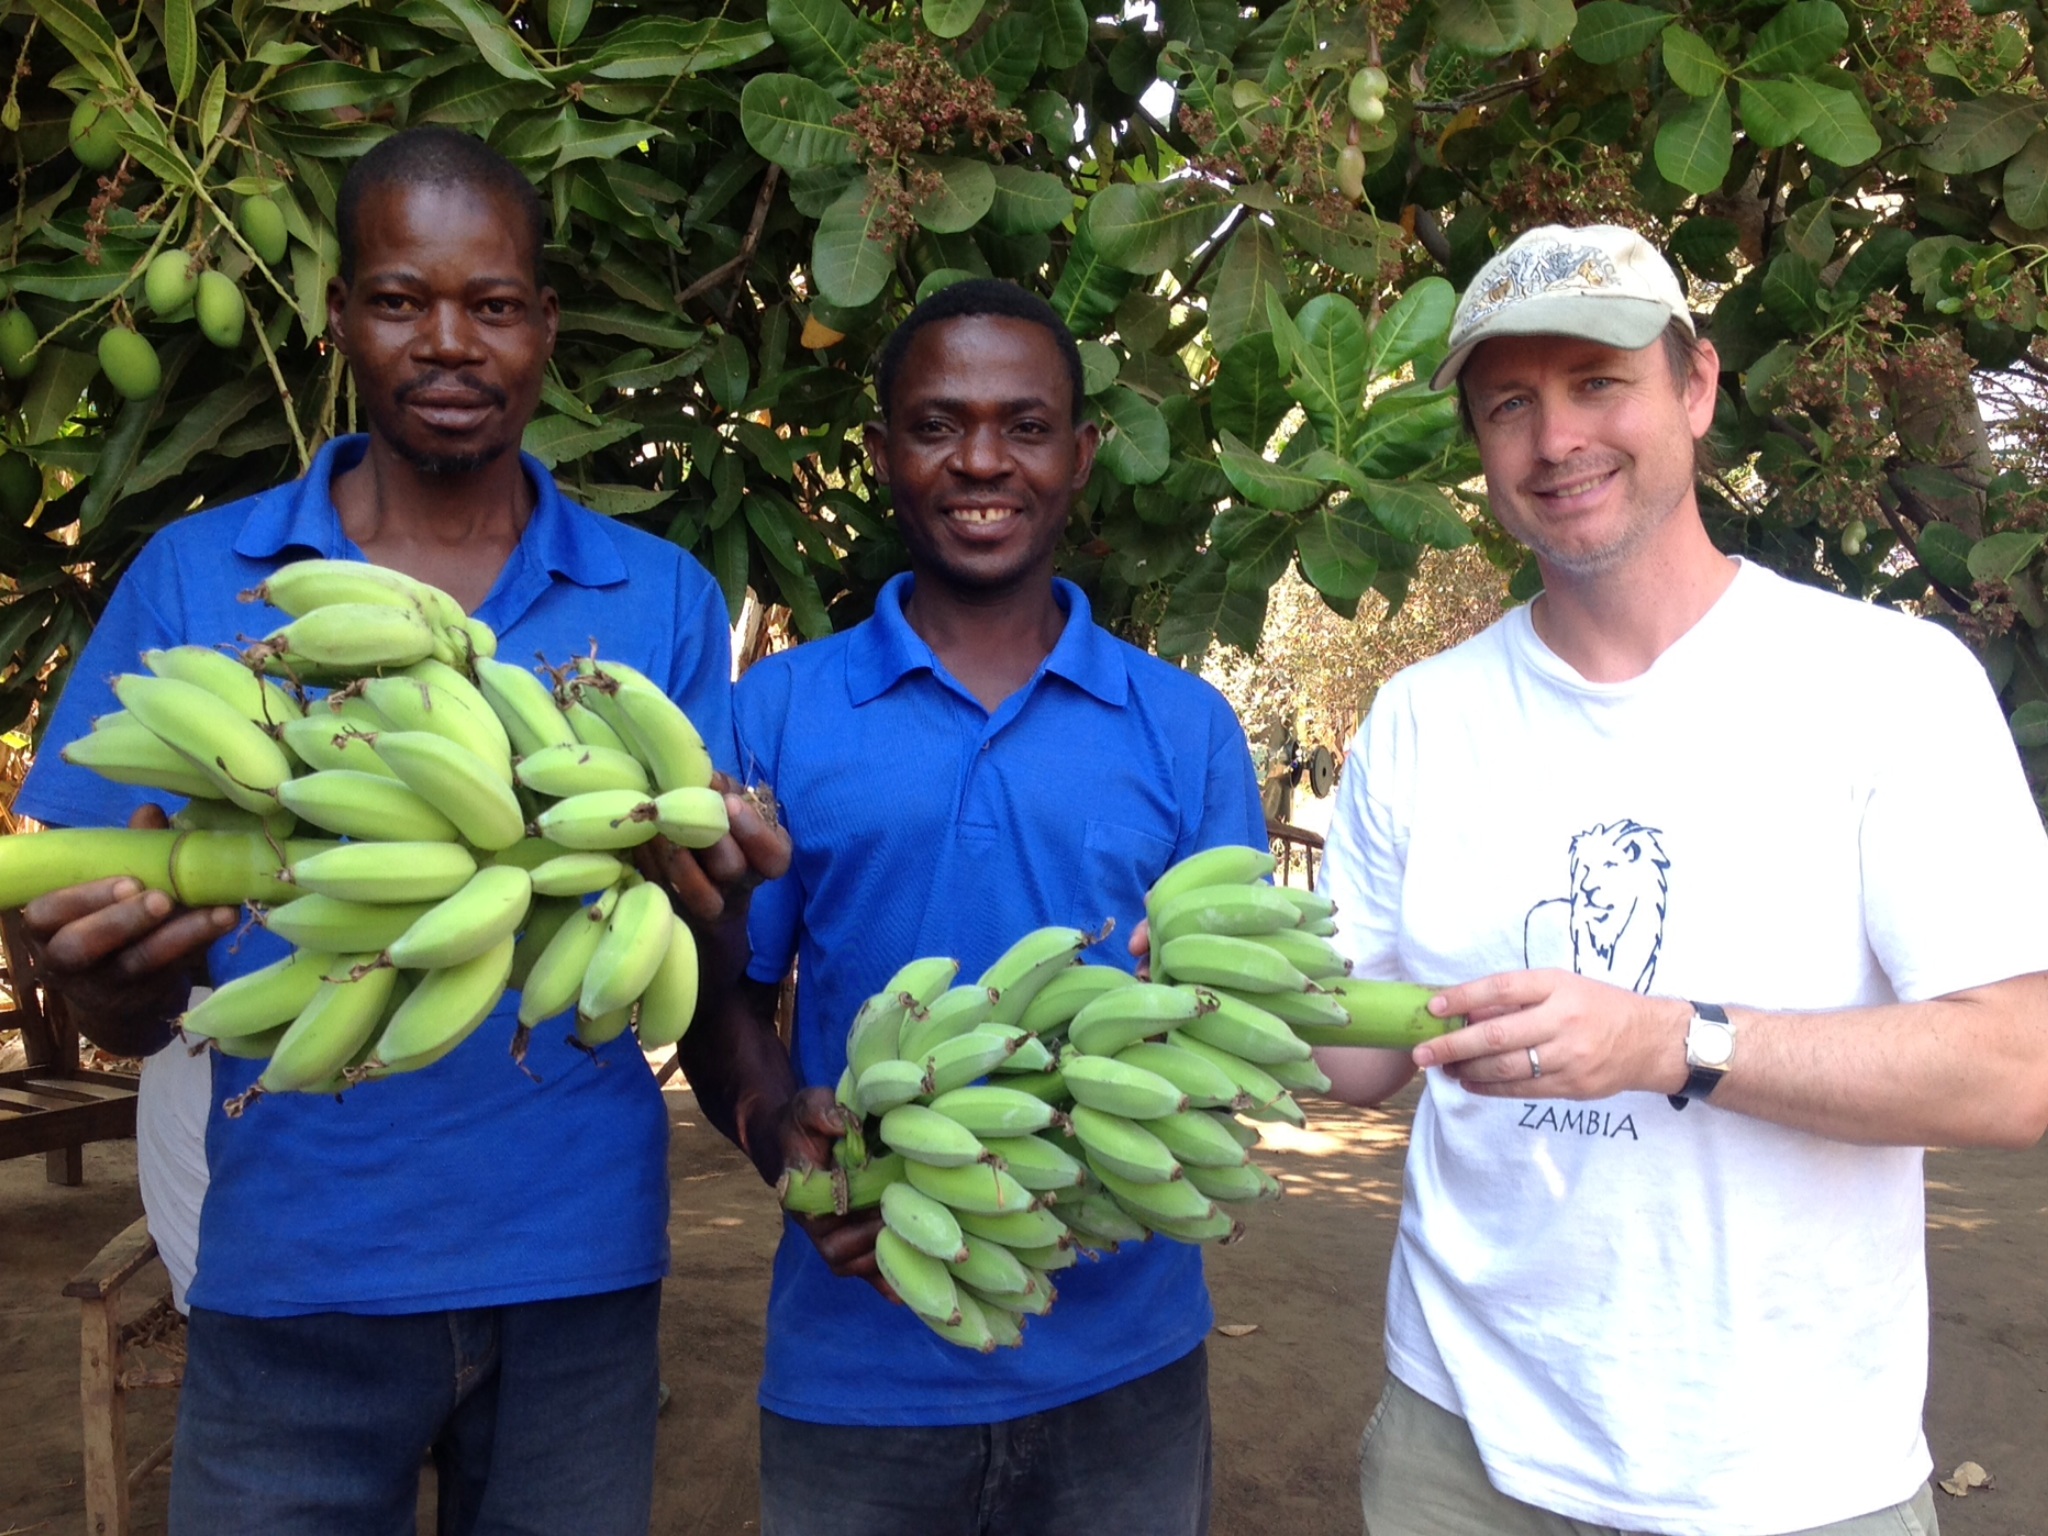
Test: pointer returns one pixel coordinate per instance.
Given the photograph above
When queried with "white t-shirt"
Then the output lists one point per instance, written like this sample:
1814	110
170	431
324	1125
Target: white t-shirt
171	1107
1683	1321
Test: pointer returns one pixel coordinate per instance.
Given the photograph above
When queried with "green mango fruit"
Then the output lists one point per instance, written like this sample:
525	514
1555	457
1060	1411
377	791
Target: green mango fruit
93	126
17	335
129	362
21	487
170	282
262	225
220	309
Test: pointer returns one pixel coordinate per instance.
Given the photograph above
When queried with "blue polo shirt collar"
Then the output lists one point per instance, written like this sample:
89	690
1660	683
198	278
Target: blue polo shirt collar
885	650
301	515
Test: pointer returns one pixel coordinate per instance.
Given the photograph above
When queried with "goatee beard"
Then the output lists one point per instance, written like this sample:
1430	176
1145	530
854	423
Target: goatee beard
427	462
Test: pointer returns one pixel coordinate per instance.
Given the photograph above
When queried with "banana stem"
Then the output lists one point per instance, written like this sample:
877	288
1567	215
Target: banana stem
198	869
1387	1015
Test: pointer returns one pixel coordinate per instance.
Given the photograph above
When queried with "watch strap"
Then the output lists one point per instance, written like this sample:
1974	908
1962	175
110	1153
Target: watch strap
1700	1082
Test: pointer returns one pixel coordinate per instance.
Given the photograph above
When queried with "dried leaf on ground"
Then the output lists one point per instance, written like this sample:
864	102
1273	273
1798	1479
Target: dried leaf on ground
1236	1330
1965	1477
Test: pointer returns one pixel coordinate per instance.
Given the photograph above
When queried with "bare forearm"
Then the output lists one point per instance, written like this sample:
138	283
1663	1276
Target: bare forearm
740	1072
1364	1077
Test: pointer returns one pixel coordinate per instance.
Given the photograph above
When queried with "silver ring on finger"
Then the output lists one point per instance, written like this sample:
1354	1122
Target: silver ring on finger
1535	1065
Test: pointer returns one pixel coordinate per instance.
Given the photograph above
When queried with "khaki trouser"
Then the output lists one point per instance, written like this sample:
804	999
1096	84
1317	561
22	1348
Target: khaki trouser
1420	1475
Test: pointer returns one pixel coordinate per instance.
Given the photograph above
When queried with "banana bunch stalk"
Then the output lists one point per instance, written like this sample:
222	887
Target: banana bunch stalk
472	818
1052	1109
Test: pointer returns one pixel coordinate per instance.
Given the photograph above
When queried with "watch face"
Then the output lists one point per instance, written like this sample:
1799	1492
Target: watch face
1710	1044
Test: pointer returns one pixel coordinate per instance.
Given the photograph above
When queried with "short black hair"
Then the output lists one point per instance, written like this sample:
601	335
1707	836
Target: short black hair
434	156
978	296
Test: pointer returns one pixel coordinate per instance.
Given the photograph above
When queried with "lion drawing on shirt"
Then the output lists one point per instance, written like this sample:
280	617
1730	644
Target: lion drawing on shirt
1611	926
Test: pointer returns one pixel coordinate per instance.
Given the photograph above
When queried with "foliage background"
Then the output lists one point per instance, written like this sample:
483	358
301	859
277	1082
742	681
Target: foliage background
747	195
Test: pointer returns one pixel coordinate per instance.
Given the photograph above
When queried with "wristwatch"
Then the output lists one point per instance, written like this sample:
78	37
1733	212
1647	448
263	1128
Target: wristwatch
1709	1053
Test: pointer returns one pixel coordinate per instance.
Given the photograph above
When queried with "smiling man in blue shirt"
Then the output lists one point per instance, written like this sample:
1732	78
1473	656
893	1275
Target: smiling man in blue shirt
466	1258
977	759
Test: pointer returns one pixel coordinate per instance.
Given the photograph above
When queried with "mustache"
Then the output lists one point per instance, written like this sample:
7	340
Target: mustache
1585	467
467	383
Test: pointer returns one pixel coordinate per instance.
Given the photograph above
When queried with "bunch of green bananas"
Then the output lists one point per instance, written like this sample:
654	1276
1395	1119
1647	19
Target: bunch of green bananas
1054	1108
481	814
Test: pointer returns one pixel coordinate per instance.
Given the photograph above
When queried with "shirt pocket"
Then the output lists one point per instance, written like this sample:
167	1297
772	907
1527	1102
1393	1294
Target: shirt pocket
1118	865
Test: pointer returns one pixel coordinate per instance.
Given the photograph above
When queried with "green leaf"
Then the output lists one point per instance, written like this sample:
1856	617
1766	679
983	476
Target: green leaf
2029	724
1839	130
562	439
325	84
631	322
823	38
950	18
853	253
1691	62
79	26
2003	555
471	93
1136	446
1983	133
1810	232
61	376
967	189
1612	30
1329	367
1405	429
1276	487
2026	183
667	47
1206	606
74	282
1333	565
1804	35
1028	202
1099	366
1006	56
119	450
1286	339
1791	283
1487	28
213	103
1348	241
1257	544
566	20
199	428
1420	514
1696	143
1251	266
1415	323
181	47
1063	27
1146	229
493	37
788	119
729	552
1551	24
1090	287
725	372
1945	555
1775	112
584	139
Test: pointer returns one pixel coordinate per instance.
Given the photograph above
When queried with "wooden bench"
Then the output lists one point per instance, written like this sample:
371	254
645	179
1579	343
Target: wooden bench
52	1105
110	1367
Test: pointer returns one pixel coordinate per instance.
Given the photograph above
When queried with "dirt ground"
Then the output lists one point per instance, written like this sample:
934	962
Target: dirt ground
1290	1398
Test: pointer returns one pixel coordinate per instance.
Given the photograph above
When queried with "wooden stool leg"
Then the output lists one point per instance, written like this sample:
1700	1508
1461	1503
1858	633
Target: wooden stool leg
65	1165
105	1421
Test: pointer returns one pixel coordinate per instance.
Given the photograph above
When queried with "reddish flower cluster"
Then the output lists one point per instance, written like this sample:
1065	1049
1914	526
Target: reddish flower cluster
1590	185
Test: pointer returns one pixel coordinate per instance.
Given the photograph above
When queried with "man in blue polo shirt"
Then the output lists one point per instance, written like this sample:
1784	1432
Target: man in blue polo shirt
977	759
466	1258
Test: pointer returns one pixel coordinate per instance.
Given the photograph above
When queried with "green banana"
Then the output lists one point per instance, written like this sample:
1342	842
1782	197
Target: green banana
602	820
1242	1182
226	816
876	1028
1247	1134
1024	969
1036	1227
259	1001
1281	1108
346	639
576	874
390	872
577	768
457	783
1101	1218
1061	998
654	726
1224	960
925	980
1310	906
965	1059
1028	1054
591	1032
920	1281
1202	1081
589	725
886	1084
982	1189
1034	1301
524	705
1177	1200
123	749
1117	1088
1197	1139
988	1110
1237	909
327	738
1004	1326
478	640
452	705
327	923
335	1024
834	1191
1246	1029
1123	1146
444	1009
1049	1085
954	1012
1255	1086
1058	1256
987	1266
1317	1008
1388	1015
969	1328
924	1136
1126	1015
299	588
692	817
1299	1076
260	701
488	909
635	939
544	919
1219	1226
556	978
923	1222
256	1047
366	806
1230	864
669	1004
244	762
1036	1163
1316	958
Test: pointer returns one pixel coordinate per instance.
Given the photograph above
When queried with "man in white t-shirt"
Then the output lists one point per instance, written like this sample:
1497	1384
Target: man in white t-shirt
1673	828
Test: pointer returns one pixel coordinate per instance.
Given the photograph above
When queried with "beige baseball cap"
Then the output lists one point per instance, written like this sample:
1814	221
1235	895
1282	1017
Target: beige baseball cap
1599	281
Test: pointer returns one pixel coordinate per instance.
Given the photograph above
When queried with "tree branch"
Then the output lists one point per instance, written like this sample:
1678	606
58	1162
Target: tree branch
1484	94
718	274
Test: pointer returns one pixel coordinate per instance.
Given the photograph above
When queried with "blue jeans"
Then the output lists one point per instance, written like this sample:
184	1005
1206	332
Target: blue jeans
1134	1460
539	1417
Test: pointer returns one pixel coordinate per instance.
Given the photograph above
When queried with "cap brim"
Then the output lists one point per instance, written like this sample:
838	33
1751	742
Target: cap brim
1613	320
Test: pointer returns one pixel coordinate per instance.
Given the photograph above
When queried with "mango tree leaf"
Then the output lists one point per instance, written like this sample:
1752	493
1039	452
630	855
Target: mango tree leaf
1276	487
558	439
788	120
824	40
1839	129
853	253
1251	265
181	46
1204	606
1612	30
198	429
1415	323
1147	229
1775	112
950	18
583	139
2002	555
1286	339
1696	143
1804	35
74	282
1487	28
665	47
326	84
492	35
1028	202
213	102
84	32
1136	446
1691	62
967	188
1329	367
1983	133
566	20
1420	514
119	450
471	93
60	378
